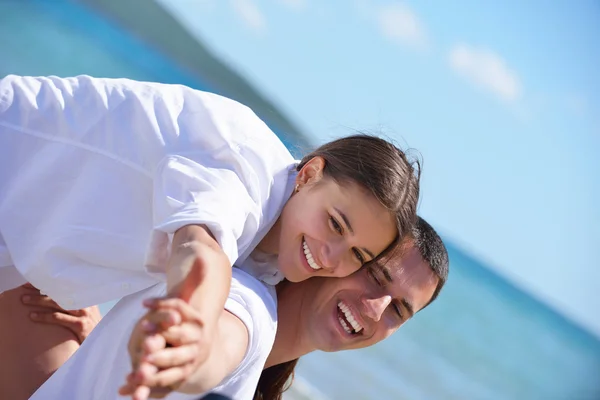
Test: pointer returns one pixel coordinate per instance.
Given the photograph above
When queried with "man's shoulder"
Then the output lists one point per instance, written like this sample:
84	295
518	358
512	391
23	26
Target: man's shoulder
252	292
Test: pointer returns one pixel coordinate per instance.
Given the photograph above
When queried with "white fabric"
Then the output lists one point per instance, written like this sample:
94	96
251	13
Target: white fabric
99	367
96	174
263	266
9	277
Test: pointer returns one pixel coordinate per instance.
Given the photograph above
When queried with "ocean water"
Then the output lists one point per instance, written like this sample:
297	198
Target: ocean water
482	339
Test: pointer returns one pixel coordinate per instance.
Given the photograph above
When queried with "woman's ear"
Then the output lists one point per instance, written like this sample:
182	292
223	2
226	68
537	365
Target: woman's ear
311	172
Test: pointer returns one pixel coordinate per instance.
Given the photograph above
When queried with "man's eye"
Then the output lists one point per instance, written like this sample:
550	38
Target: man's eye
373	275
336	225
398	311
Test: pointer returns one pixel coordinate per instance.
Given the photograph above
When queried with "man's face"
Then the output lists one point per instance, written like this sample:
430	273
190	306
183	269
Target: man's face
369	305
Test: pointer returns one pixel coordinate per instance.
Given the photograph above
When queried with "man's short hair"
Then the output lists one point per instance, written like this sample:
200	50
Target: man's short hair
433	251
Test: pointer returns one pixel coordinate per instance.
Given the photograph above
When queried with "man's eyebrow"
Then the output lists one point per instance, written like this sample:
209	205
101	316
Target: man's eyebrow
408	307
386	273
349	226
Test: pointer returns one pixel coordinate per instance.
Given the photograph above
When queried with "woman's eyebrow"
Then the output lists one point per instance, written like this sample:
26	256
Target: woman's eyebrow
349	227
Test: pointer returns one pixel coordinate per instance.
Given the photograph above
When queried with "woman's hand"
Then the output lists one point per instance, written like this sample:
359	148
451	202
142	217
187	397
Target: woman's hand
46	311
171	348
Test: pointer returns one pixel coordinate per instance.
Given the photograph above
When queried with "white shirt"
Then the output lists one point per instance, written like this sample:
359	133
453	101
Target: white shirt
96	174
99	367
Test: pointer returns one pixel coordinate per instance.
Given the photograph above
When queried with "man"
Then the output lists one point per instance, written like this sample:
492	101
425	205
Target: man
329	314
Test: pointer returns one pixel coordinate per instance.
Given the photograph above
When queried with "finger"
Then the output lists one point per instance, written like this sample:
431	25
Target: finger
143	349
186	311
173	356
159	393
134	346
149	345
127	389
30	286
70	322
169	378
153	343
141	393
130	388
130	379
41	301
182	334
145	373
164	318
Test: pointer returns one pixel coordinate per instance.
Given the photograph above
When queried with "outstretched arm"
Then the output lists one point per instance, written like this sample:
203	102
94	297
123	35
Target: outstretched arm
199	273
199	276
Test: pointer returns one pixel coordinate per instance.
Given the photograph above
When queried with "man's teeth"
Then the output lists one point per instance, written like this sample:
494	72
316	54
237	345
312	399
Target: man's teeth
348	314
344	325
309	257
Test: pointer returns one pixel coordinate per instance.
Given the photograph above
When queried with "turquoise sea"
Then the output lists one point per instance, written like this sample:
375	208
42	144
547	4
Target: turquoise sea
482	339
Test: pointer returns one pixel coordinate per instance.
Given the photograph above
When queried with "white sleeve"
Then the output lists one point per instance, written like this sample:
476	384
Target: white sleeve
97	174
62	106
230	173
187	192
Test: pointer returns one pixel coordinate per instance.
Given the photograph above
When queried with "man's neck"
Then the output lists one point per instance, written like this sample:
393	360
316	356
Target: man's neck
292	340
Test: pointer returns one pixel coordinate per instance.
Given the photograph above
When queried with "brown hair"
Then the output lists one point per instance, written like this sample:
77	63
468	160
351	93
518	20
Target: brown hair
378	166
384	170
275	380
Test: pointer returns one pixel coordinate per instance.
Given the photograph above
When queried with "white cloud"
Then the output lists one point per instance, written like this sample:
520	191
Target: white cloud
294	4
249	12
399	23
486	69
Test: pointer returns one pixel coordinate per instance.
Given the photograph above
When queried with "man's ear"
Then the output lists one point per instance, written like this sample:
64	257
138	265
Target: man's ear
311	172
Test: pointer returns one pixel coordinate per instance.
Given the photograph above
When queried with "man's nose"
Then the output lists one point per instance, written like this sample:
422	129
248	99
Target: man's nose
374	306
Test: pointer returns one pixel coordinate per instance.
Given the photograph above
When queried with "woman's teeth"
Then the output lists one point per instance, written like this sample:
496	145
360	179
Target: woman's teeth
356	327
309	257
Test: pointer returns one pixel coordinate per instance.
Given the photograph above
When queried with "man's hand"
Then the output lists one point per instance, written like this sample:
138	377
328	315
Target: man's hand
80	322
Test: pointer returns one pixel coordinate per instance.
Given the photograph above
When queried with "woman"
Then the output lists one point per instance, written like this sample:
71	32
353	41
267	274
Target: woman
108	185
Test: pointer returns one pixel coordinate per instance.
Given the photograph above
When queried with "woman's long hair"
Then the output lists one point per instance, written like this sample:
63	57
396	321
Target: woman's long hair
275	380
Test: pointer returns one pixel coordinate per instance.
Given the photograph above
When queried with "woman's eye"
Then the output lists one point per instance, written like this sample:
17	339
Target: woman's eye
336	226
359	257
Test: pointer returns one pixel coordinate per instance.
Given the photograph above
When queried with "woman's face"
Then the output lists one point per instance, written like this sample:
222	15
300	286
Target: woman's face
330	229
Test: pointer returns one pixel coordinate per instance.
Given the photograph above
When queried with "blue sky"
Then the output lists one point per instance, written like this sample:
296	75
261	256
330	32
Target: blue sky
500	98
